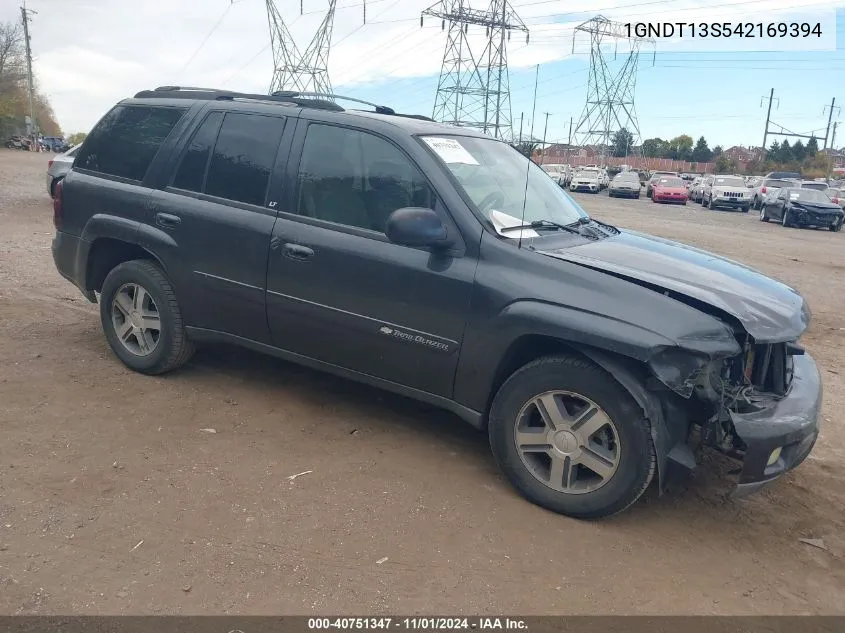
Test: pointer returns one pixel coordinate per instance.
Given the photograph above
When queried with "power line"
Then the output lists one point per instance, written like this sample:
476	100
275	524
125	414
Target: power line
208	36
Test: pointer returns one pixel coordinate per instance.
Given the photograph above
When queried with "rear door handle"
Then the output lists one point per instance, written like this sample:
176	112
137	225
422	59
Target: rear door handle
297	251
168	221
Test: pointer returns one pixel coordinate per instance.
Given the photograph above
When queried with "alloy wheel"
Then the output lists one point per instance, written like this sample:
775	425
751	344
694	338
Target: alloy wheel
567	442
136	319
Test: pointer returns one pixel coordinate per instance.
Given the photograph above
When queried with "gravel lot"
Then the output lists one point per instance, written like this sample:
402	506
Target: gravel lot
114	500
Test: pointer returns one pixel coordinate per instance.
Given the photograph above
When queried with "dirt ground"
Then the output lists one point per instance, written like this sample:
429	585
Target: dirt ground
113	499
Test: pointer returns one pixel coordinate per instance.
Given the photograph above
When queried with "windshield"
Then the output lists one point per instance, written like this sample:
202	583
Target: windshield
670	182
729	182
586	173
627	175
493	175
808	195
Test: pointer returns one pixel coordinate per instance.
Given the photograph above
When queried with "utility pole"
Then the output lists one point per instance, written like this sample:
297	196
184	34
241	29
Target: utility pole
829	117
545	130
25	18
768	116
521	116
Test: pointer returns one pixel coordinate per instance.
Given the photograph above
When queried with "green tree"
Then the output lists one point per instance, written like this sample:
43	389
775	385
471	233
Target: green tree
526	148
701	153
725	165
621	142
773	153
653	147
799	151
785	153
77	137
717	151
812	147
680	147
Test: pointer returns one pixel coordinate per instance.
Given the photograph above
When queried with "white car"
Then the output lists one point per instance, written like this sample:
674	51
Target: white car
59	166
726	191
586	180
559	173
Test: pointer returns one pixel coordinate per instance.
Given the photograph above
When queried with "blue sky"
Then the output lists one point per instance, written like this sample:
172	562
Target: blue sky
714	94
92	53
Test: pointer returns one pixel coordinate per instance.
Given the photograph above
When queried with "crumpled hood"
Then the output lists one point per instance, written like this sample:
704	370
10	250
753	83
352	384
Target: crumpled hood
769	310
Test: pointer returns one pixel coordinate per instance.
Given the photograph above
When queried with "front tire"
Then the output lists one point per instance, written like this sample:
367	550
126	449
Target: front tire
569	438
836	227
141	318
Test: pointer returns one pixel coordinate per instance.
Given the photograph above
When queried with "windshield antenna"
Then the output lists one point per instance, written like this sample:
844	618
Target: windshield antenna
528	166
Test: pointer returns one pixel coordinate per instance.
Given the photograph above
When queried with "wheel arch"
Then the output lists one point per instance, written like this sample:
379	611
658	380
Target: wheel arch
108	252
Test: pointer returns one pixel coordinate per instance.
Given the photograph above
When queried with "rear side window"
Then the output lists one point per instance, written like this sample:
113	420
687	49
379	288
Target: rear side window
191	172
127	139
243	157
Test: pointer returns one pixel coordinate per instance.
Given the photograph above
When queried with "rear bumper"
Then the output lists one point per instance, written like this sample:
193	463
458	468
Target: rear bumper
70	254
629	193
791	424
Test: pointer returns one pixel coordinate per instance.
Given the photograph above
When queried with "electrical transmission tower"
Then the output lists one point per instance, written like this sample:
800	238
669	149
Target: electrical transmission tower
300	71
610	93
474	90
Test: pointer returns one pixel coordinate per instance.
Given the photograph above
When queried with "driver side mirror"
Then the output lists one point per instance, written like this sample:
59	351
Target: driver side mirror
417	226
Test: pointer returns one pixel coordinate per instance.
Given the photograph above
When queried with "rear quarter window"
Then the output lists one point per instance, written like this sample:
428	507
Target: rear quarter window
126	140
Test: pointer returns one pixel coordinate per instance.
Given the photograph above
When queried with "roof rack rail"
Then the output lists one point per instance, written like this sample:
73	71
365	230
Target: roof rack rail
214	94
380	109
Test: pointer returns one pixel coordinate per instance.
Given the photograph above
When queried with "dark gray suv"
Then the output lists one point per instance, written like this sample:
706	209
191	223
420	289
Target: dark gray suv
440	264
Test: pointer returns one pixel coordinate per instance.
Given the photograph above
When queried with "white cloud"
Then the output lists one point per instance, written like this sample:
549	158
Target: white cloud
92	53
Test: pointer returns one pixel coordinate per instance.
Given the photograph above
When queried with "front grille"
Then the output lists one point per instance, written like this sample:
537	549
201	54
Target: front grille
769	368
733	194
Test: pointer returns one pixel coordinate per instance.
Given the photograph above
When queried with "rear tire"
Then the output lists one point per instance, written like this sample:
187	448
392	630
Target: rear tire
785	219
763	215
141	349
569	387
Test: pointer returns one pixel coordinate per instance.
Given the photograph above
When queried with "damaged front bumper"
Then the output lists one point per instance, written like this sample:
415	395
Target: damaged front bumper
790	424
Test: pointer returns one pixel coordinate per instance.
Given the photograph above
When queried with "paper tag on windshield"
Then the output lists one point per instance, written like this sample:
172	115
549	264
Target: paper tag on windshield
794	196
450	150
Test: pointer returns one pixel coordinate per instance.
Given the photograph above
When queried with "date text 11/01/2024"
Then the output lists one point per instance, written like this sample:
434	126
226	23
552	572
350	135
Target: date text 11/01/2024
418	624
723	29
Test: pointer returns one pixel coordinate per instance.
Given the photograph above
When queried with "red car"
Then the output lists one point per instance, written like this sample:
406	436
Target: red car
669	189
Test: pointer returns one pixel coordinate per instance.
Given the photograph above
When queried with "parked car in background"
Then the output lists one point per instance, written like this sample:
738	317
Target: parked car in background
695	188
669	189
600	356
765	188
726	191
654	177
58	167
625	184
836	195
19	142
560	172
794	206
55	144
586	180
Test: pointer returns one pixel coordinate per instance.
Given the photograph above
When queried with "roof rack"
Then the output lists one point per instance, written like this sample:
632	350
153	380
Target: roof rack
214	94
380	109
302	99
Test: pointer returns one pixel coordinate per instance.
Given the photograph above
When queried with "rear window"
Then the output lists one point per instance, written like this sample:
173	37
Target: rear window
127	139
777	184
817	186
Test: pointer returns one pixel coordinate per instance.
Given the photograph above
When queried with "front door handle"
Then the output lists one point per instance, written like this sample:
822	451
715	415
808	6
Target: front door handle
297	251
168	221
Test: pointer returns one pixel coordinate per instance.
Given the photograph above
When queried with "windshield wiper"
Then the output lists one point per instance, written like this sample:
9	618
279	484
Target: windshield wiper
542	224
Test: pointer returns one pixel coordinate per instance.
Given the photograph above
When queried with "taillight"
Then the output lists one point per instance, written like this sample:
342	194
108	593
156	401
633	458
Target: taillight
49	163
57	204
763	190
835	200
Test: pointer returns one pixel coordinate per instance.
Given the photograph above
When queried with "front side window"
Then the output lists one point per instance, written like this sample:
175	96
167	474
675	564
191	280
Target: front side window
243	157
356	179
505	187
127	139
